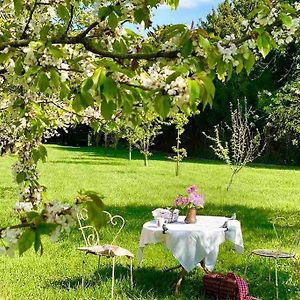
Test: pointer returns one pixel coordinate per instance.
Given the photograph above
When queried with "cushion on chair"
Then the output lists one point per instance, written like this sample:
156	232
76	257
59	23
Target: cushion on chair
272	253
107	250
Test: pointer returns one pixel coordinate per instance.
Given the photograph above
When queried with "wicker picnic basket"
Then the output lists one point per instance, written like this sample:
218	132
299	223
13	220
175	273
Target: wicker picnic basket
226	287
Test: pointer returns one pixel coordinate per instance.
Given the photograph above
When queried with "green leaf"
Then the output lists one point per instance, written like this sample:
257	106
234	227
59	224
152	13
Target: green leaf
204	42
109	89
56	52
35	155
18	4
209	85
187	48
113	21
65	90
173	3
107	109
86	100
43	152
4	57
99	77
26	240
86	85
162	105
172	77
194	90
38	243
249	62
127	103
63	12
19	66
286	20
96	215
43	82
76	104
55	78
139	15
104	12
263	44
240	66
44	32
21	177
46	228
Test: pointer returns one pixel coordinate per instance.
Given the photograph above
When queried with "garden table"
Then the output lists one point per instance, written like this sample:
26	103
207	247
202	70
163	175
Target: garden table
191	244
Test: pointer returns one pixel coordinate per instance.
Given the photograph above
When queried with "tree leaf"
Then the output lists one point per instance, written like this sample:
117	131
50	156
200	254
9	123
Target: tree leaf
26	240
63	12
263	44
139	15
249	62
194	90
19	66
113	20
18	5
109	89
38	243
104	12
162	105
55	78
187	48
21	177
107	109
43	82
86	85
286	20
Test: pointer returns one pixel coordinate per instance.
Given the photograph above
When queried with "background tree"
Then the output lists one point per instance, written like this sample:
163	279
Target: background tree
245	143
179	120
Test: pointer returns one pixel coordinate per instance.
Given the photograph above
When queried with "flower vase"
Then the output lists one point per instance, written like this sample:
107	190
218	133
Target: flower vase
191	216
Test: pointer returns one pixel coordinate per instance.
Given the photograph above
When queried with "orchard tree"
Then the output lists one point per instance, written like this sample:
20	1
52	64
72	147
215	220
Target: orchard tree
179	120
146	132
60	57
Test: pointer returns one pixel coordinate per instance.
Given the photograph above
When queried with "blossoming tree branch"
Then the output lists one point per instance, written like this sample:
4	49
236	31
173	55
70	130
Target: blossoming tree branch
64	61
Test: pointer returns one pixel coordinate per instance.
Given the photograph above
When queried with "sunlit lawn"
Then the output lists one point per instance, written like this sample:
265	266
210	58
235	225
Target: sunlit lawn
259	194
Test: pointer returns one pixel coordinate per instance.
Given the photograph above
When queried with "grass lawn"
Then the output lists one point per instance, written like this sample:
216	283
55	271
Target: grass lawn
259	194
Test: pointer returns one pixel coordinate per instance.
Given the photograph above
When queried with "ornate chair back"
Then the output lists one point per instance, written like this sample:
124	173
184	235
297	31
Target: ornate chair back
287	235
90	233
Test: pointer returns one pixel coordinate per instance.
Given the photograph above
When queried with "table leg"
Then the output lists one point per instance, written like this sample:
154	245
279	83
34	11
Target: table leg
202	264
178	284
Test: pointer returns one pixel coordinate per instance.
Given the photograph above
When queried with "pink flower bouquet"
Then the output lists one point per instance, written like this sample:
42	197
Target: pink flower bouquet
194	199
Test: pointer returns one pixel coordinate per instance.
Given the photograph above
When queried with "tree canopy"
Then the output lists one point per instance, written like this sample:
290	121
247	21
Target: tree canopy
63	61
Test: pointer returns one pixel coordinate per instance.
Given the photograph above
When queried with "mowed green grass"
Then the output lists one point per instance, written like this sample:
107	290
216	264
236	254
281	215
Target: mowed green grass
259	194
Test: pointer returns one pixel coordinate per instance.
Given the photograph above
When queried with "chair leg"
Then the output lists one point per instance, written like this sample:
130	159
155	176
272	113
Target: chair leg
131	273
113	277
99	262
269	268
276	279
83	271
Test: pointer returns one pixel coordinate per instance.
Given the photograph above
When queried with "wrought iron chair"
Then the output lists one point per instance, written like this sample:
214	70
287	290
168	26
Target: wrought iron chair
281	251
93	246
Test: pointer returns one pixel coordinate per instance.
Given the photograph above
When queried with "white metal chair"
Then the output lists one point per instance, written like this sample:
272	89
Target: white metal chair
282	251
92	243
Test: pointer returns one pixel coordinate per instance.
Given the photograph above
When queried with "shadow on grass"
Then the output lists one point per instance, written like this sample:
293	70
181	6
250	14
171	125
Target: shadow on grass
154	283
97	152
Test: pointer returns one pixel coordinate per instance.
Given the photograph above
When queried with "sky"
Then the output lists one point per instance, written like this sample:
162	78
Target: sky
188	11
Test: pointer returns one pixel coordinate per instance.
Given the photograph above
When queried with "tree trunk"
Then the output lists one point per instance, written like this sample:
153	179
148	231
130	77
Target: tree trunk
145	160
105	140
97	140
177	168
177	158
231	180
129	151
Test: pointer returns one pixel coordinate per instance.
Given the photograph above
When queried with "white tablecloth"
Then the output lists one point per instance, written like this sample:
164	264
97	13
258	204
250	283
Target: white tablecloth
190	243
